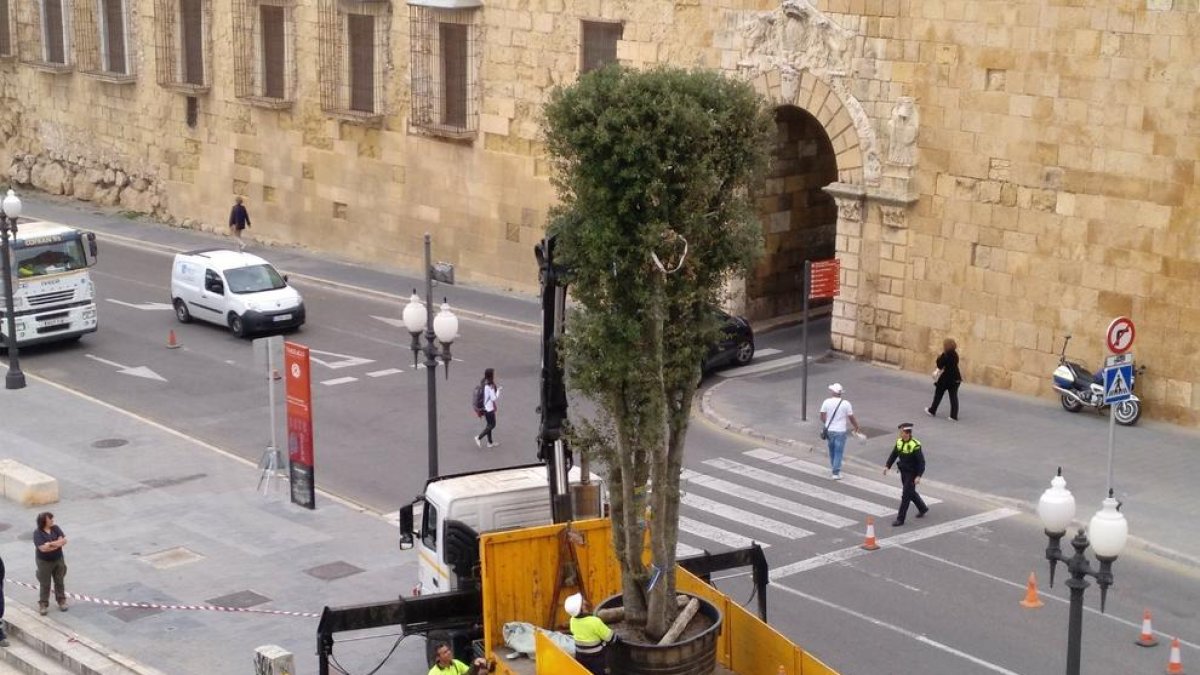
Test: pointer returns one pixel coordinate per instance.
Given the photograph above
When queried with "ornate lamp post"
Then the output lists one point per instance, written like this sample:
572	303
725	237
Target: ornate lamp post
1108	530
10	209
441	329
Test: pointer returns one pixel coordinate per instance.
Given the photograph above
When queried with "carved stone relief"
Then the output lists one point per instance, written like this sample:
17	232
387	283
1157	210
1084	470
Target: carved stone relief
893	216
849	208
902	132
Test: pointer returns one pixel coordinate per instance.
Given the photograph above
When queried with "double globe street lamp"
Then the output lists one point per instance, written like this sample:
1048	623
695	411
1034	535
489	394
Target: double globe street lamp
1106	534
440	332
10	210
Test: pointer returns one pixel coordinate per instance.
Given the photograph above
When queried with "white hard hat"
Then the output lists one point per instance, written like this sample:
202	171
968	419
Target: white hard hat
573	604
836	388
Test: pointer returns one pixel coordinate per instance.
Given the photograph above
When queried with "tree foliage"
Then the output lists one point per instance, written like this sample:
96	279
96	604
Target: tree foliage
653	171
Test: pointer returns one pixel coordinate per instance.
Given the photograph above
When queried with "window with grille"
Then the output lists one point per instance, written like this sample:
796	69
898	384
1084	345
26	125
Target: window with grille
445	70
102	39
42	37
263	56
353	53
184	44
598	44
6	30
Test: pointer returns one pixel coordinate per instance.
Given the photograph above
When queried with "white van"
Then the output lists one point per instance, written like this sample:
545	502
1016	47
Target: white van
234	289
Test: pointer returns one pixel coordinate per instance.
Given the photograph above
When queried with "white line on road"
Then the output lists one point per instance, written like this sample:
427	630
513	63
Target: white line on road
897	629
393	371
814	469
744	517
338	380
845	554
770	501
142	305
769	351
756	368
800	487
136	371
716	534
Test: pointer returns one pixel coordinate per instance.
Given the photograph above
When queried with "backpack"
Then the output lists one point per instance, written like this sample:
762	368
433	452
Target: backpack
477	399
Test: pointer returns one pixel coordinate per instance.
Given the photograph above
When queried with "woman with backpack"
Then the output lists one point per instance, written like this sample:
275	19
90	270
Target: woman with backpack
486	395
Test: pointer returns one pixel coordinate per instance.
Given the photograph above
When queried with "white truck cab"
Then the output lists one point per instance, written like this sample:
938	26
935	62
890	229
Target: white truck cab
53	294
457	509
235	289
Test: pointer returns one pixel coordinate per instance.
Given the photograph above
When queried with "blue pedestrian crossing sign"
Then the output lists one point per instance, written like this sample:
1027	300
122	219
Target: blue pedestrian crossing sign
1117	381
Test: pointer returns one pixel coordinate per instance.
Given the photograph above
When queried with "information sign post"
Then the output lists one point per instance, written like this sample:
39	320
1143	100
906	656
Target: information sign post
1118	378
821	280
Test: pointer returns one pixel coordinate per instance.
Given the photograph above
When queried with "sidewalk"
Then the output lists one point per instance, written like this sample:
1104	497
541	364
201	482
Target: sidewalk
1005	447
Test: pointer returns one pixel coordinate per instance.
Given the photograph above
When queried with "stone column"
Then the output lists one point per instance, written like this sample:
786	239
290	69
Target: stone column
845	324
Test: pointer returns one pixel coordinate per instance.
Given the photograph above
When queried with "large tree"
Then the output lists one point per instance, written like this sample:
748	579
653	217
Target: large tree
654	171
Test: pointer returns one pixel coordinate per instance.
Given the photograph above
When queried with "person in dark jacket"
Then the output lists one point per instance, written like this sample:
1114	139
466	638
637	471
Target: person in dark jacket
239	219
911	462
947	380
3	635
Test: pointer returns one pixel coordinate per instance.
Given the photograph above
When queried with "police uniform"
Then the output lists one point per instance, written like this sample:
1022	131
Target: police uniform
591	635
906	453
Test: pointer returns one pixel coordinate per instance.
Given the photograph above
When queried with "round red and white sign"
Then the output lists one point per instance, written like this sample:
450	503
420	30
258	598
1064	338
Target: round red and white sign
1119	337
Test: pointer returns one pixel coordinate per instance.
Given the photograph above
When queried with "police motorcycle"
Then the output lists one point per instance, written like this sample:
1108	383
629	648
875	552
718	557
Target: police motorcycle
1080	387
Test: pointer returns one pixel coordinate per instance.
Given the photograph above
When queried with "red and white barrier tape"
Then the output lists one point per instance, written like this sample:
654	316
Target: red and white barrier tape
149	605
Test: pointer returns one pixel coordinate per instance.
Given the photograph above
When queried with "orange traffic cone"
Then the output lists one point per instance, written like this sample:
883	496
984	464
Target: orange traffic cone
171	343
1031	601
1146	639
1175	664
870	544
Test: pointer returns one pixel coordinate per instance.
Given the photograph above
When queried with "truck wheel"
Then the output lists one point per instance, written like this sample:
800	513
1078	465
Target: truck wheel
236	326
181	311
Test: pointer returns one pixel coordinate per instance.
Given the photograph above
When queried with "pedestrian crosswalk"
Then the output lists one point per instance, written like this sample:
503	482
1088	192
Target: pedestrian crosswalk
773	498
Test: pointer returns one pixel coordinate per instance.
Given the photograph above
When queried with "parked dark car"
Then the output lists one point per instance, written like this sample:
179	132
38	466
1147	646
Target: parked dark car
736	346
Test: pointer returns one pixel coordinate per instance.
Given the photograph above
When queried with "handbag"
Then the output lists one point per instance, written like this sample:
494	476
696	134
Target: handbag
825	429
937	374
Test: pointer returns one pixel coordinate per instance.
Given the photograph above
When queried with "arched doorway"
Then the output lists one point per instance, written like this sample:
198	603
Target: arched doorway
799	218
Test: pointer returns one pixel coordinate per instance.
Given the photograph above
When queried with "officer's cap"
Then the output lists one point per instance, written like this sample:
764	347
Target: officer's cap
905	426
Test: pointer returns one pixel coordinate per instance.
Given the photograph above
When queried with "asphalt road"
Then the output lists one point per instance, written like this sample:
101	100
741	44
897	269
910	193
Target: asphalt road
943	602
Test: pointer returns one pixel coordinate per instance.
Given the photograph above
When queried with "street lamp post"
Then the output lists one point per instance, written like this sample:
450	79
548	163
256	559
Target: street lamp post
1108	529
10	209
441	329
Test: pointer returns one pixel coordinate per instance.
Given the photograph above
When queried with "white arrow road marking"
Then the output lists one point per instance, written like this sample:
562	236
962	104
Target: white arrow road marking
345	359
136	371
142	305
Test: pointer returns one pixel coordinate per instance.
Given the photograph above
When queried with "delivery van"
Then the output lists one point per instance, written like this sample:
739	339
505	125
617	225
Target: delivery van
234	289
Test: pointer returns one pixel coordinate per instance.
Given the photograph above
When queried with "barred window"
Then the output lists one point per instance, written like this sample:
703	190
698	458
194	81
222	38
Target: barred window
102	39
55	43
445	70
6	30
42	38
184	29
353	49
263	55
598	45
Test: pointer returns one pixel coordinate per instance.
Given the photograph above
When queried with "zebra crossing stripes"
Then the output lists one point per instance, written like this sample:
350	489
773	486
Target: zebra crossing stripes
800	487
814	469
743	517
768	500
706	531
682	550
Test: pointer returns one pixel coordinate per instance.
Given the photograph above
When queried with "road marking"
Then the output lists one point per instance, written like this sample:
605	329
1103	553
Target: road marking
339	380
755	369
821	471
769	351
136	371
342	361
744	517
800	487
716	534
897	629
770	501
895	541
393	371
682	550
141	305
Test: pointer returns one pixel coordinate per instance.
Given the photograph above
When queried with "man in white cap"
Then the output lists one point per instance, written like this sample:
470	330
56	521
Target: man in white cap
591	635
835	413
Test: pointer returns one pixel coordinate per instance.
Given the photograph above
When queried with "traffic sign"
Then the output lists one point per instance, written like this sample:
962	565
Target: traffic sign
824	280
1119	336
1118	359
1116	383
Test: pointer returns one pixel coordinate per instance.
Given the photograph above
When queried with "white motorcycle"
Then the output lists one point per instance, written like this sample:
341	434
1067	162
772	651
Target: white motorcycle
1080	387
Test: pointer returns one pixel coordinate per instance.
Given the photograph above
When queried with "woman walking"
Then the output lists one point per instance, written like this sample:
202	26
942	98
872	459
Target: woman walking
946	379
49	541
491	393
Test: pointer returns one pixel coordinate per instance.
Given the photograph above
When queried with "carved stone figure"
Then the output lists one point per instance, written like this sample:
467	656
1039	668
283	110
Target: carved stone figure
798	34
902	132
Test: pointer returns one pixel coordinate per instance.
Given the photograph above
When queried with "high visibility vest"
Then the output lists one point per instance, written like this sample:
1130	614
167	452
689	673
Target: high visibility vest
590	634
907	447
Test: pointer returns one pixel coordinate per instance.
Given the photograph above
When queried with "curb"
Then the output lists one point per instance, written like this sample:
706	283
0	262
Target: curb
67	648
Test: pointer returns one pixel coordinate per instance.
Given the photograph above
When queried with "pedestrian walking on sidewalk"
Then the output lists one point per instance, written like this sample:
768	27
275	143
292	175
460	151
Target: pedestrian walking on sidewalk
491	394
3	634
837	415
911	462
49	541
239	219
946	379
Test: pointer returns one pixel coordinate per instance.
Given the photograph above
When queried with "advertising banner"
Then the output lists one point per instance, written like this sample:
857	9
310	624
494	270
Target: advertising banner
299	424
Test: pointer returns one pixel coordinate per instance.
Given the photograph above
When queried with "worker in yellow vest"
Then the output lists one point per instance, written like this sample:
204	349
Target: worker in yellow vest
446	664
591	635
912	466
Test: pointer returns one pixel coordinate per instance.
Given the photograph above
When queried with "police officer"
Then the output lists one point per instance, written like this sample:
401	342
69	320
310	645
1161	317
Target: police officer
912	466
591	635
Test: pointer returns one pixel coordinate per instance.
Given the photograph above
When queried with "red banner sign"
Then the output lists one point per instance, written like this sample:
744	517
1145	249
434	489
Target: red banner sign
825	281
299	424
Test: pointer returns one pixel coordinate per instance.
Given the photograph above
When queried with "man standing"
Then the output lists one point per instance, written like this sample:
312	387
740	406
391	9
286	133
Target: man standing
3	635
445	663
239	219
591	635
835	412
912	466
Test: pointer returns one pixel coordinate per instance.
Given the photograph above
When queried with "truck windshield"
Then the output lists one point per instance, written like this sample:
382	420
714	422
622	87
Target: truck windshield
254	279
55	258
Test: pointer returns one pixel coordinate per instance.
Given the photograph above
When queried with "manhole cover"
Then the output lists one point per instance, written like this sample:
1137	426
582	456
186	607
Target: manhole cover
131	614
172	557
333	570
110	443
240	599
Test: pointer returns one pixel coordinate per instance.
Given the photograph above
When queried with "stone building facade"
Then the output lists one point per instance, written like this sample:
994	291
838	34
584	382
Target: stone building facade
1003	172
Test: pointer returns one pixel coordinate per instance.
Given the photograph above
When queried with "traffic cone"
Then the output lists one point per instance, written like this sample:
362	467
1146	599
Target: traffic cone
1031	601
1175	664
171	343
870	544
1146	639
